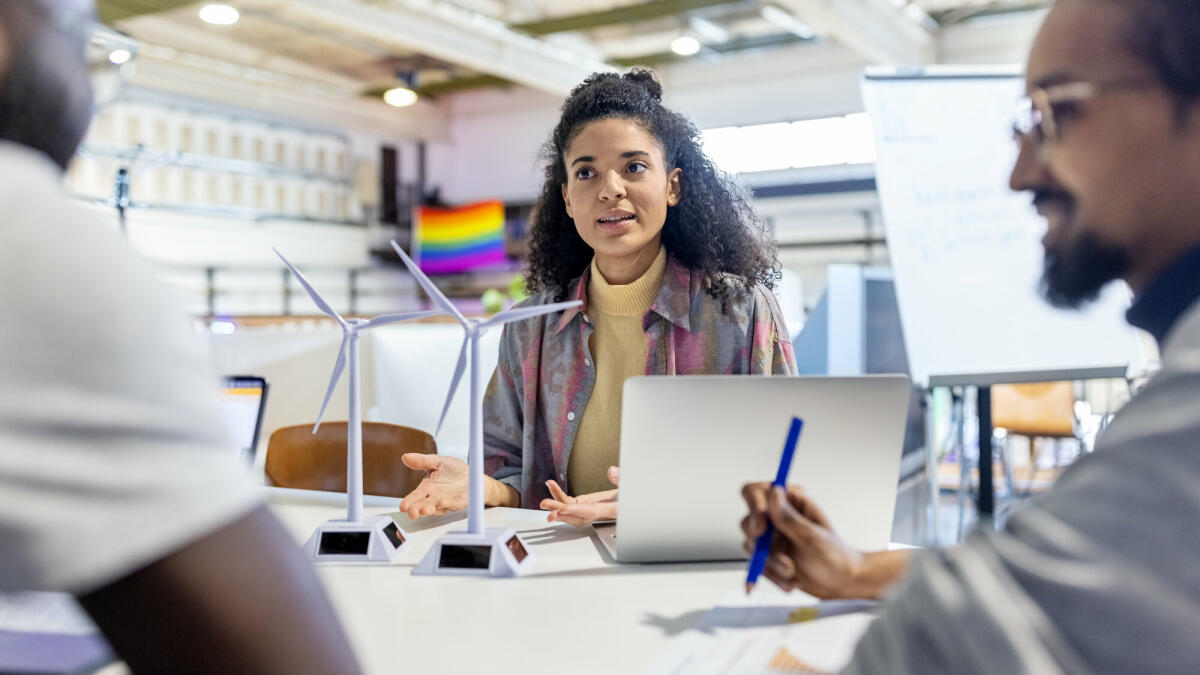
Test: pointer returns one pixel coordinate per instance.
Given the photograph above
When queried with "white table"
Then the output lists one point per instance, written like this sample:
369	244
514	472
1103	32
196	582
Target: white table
577	612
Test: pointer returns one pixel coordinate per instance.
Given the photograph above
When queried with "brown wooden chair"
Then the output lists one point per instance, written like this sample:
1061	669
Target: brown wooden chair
298	458
1044	410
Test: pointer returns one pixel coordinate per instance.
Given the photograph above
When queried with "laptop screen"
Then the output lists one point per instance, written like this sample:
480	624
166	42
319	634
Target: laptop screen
242	401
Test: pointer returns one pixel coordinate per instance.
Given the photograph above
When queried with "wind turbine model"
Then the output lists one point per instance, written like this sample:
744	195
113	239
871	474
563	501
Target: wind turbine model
354	539
479	551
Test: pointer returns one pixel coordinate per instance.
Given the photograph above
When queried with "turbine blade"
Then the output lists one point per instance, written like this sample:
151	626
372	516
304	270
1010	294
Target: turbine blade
385	319
432	291
337	373
527	312
458	373
321	304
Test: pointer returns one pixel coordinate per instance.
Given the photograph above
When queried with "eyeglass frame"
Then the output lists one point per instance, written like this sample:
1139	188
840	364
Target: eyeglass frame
1034	120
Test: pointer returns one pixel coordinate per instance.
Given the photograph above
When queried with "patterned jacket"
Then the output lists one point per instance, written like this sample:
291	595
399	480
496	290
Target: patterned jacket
544	376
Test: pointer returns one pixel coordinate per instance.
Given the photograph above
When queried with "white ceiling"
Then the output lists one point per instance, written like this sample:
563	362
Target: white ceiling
354	49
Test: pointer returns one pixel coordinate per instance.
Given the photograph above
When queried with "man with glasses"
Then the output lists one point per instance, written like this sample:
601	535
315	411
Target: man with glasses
1101	574
116	484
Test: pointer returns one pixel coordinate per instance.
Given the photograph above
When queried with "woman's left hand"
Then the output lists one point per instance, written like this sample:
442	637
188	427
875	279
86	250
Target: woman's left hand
584	509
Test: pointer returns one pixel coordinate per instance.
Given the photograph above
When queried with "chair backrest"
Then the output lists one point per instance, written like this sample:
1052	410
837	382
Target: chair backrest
298	458
1042	409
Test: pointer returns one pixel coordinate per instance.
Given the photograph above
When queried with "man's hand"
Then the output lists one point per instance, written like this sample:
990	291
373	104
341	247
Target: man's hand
807	554
444	489
584	509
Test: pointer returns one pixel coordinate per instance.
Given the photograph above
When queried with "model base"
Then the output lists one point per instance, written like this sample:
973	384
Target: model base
377	540
497	552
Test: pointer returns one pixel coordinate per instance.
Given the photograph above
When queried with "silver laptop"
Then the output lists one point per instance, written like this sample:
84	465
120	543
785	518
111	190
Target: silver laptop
688	444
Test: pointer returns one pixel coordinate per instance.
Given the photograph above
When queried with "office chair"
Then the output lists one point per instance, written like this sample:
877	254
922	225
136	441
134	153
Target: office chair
1038	411
298	458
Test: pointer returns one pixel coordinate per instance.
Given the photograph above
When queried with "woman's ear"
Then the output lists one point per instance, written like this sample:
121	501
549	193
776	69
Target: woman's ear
566	201
674	186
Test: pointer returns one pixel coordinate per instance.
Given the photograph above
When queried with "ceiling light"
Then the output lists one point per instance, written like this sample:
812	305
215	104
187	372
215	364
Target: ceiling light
119	57
685	45
786	21
400	97
221	15
711	32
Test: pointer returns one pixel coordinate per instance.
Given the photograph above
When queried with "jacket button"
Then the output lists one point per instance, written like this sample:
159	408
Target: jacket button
571	416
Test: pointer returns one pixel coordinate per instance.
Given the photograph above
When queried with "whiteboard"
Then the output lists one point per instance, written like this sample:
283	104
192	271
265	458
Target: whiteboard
966	251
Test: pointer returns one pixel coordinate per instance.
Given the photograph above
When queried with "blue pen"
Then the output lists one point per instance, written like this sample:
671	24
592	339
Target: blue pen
763	546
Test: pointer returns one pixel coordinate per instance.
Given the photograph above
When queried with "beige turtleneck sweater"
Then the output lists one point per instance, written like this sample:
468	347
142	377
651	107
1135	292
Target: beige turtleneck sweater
619	348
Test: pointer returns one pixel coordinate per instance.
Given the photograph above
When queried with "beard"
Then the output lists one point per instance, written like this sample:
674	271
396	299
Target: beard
1075	275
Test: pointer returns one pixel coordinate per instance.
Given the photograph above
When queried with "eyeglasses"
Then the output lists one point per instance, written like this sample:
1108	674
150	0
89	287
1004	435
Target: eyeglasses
1039	116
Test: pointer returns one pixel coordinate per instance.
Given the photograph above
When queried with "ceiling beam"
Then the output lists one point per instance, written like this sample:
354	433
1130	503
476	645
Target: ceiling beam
458	36
456	84
159	31
876	29
195	76
731	47
646	11
950	17
115	10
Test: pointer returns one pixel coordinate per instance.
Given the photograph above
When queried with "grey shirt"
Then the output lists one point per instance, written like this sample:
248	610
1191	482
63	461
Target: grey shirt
111	451
1101	574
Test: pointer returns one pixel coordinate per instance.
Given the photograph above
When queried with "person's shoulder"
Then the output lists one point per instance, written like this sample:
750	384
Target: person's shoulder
1181	350
542	297
738	296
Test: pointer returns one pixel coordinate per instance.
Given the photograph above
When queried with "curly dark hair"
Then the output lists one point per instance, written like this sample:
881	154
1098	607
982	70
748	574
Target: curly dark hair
712	229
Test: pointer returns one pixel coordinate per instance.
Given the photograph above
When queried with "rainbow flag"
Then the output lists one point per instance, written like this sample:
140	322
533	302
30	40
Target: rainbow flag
451	241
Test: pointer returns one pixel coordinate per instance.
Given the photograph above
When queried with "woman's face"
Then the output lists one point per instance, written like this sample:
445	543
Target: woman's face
618	189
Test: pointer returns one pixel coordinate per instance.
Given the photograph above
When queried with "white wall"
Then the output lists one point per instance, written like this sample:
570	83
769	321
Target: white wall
496	136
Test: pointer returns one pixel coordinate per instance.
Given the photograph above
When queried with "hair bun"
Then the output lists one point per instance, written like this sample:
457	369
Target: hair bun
646	80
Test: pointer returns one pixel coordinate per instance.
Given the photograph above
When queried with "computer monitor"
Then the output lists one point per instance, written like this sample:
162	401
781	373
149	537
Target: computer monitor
243	400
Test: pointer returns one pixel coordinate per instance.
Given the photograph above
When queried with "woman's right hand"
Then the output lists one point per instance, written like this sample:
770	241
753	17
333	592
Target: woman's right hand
444	489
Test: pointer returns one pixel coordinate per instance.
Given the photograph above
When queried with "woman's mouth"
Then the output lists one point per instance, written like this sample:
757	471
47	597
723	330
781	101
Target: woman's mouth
615	220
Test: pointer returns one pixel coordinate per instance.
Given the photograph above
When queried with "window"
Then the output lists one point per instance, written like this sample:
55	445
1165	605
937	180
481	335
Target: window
829	141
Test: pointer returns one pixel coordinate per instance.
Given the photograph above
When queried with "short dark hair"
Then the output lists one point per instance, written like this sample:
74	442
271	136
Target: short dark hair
713	229
45	92
1166	35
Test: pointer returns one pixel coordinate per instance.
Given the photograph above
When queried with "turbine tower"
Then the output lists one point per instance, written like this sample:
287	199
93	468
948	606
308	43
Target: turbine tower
478	551
356	538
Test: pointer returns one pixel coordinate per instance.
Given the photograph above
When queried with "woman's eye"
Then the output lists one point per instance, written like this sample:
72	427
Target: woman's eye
583	174
1065	110
637	167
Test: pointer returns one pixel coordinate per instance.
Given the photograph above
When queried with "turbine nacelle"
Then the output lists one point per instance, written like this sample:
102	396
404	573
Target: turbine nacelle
473	327
351	328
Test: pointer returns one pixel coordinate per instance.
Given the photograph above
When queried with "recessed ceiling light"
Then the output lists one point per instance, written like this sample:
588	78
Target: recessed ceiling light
221	15
685	45
119	56
400	97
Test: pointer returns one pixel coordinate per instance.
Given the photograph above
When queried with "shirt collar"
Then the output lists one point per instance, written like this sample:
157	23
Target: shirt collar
1158	307
673	302
674	299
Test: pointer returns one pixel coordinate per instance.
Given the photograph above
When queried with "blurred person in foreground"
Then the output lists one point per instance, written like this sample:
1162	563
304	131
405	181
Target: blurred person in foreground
1100	574
115	482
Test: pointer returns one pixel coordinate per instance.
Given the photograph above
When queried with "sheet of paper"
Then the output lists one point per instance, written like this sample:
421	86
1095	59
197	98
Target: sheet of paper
759	634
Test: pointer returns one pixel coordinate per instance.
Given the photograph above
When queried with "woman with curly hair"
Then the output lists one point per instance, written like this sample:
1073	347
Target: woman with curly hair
675	273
